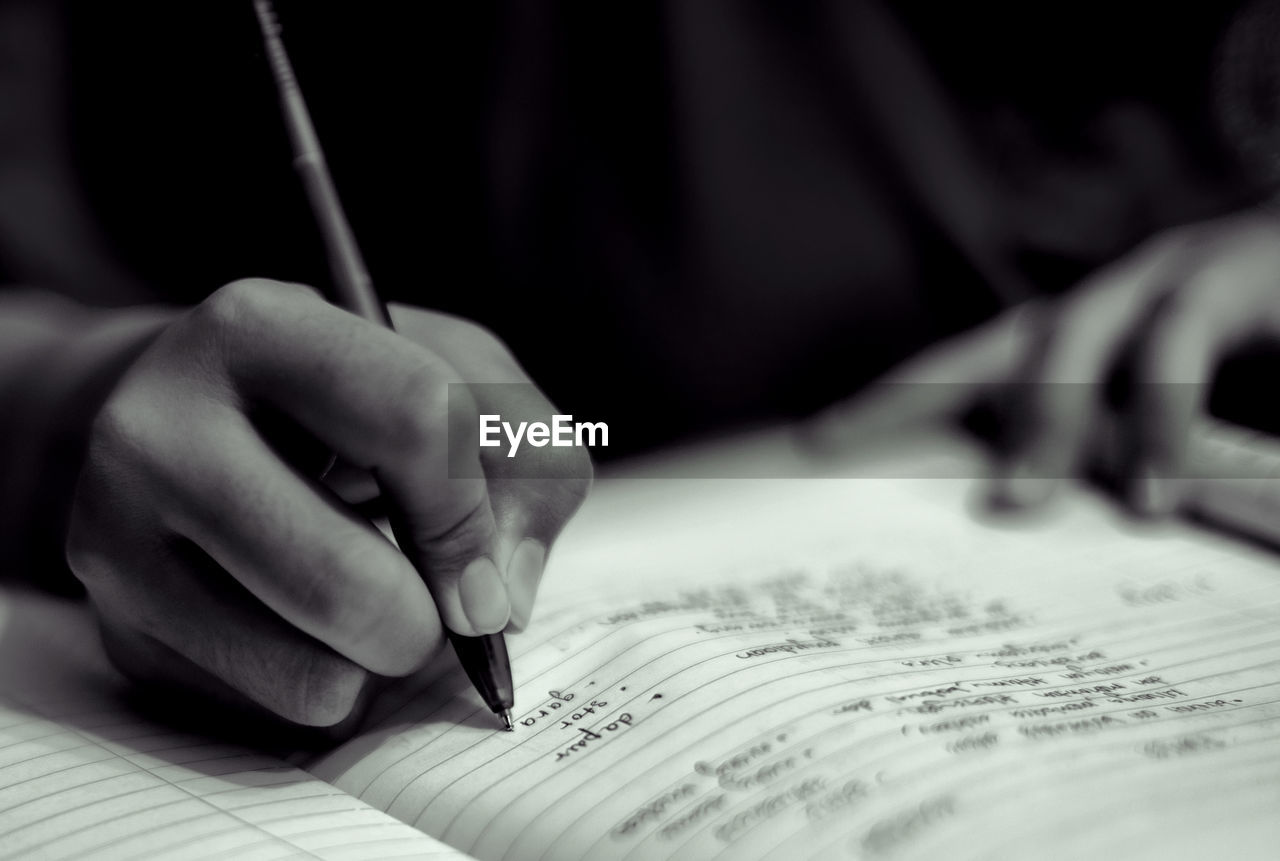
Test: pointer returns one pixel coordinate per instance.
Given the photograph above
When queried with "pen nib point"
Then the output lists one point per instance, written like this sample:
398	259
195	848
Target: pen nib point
506	720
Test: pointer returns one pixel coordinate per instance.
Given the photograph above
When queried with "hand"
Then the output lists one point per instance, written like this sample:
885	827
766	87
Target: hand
1162	318
217	560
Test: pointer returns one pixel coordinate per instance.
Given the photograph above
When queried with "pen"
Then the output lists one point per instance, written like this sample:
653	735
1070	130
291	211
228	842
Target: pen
484	658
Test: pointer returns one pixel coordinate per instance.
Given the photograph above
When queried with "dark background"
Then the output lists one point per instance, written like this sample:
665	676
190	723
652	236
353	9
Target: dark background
680	215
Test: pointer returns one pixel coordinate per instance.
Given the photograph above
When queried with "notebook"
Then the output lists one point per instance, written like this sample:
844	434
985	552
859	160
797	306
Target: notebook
793	667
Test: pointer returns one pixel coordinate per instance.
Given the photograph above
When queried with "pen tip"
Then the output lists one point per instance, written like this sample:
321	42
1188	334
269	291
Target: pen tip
505	714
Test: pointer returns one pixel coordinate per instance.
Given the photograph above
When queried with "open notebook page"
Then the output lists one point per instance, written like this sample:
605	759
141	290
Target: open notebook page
856	668
83	776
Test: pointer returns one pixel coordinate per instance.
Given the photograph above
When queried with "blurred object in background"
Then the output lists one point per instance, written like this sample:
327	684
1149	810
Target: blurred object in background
734	209
680	215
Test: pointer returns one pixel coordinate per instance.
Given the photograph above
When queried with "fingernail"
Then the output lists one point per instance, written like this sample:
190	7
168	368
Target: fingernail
1151	494
484	596
1018	486
523	576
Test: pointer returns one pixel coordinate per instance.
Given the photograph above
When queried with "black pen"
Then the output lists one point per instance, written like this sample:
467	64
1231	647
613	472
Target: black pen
485	657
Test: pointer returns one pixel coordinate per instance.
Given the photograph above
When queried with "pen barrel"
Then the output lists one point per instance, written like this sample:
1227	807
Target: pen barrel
352	286
484	658
489	668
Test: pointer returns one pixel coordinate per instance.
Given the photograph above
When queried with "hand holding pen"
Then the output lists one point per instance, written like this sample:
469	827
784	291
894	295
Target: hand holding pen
217	562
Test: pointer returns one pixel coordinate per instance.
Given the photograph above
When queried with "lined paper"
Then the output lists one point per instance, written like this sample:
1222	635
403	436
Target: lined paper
82	776
818	669
738	669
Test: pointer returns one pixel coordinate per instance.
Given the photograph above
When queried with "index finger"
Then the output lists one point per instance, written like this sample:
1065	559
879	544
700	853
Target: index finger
382	403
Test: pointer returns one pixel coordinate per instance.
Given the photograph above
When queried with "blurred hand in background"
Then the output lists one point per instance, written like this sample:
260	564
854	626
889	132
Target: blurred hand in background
1113	375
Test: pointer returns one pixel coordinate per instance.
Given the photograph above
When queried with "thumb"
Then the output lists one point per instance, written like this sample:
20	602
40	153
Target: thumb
455	555
460	569
443	521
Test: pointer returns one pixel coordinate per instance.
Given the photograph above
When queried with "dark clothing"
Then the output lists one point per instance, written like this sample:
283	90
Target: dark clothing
679	214
720	209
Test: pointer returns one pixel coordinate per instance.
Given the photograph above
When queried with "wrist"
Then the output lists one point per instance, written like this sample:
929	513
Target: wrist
61	381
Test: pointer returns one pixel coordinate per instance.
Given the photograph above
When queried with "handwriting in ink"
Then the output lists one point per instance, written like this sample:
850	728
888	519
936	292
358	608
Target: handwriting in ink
1073	727
1207	705
581	713
855	706
790	647
697	814
929	707
886	835
1169	694
986	626
1163	749
1076	673
1060	661
1045	711
836	801
547	710
1023	682
1011	650
956	724
653	811
589	737
932	693
739	760
1164	592
767	808
941	661
832	630
890	639
973	742
745	770
1082	692
735	627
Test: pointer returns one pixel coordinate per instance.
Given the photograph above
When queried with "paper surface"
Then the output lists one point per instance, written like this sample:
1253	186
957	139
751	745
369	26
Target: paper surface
84	776
763	668
817	669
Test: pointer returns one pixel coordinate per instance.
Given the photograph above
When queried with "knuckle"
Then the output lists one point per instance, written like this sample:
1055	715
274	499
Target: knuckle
1198	298
334	595
1171	241
326	689
116	429
486	343
420	410
413	652
1180	241
567	475
576	490
576	470
547	505
127	444
461	404
132	653
451	549
227	306
248	302
83	552
1082	310
566	497
376	623
567	460
466	336
98	528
